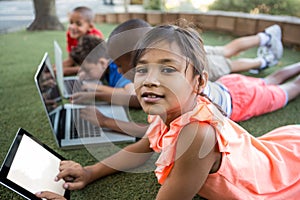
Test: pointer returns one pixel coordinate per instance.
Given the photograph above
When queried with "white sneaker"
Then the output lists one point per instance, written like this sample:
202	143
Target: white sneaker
270	59
274	44
274	31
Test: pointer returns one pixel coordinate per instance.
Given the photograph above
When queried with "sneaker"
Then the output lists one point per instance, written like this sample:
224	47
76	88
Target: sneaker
270	59
274	31
274	44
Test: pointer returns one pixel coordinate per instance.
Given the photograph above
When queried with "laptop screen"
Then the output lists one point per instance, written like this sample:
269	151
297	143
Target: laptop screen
49	93
48	86
59	67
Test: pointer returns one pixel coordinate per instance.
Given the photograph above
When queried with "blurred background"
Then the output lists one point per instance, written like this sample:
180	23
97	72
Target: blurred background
17	14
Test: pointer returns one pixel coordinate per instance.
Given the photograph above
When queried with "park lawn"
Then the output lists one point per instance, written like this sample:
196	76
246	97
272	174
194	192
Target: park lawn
21	106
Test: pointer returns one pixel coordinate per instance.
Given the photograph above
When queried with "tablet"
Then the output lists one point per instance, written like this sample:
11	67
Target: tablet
30	167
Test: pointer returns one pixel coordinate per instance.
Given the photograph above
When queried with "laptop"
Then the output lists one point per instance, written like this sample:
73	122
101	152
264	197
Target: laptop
65	84
69	129
30	167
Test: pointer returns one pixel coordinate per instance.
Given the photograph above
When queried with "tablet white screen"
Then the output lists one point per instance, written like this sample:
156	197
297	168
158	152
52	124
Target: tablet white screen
34	168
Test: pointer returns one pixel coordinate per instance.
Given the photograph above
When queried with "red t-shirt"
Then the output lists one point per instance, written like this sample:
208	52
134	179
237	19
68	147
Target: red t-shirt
71	42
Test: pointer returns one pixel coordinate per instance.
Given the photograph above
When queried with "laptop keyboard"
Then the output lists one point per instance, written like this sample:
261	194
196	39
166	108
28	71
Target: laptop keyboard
72	86
69	86
81	128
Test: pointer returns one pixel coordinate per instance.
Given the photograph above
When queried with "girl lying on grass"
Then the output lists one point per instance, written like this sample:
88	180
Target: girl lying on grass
201	151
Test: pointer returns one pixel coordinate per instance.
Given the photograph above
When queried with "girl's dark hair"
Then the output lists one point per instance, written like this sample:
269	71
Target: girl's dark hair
186	37
89	48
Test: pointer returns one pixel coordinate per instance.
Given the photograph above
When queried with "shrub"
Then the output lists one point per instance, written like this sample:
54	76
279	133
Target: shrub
153	4
273	7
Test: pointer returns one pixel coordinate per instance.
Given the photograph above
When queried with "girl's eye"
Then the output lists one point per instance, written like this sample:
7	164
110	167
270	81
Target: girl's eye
166	69
141	70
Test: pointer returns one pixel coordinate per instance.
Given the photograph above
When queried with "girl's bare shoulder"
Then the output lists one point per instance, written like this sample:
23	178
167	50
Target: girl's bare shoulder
197	137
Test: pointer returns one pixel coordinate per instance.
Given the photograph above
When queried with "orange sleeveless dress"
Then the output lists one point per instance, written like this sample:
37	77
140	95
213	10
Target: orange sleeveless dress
267	167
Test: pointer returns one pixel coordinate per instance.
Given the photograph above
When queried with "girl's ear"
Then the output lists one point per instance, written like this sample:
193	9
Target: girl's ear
201	82
204	79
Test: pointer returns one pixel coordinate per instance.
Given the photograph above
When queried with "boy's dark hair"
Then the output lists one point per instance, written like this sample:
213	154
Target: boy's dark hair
86	12
129	25
90	49
124	37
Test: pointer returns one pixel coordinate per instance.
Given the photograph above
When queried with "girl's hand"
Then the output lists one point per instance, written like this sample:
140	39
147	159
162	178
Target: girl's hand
75	176
49	196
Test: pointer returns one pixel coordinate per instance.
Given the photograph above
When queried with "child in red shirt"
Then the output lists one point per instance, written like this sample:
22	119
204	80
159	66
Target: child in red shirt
80	23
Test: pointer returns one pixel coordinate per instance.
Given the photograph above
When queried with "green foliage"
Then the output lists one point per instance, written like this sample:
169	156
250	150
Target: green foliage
274	7
152	4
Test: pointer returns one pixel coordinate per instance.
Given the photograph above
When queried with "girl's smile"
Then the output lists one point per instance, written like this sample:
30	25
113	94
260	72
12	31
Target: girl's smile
150	97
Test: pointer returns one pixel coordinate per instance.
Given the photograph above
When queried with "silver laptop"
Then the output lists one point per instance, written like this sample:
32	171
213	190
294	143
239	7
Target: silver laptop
69	129
65	83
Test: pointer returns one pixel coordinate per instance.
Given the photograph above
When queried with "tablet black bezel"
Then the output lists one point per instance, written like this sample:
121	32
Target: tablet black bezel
9	159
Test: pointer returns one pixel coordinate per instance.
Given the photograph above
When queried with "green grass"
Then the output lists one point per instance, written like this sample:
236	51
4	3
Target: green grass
20	106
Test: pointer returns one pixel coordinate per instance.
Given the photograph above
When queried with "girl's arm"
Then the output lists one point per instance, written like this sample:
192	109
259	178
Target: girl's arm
197	155
93	115
130	157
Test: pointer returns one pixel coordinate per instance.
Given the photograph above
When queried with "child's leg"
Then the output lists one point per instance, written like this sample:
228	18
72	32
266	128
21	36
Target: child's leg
252	96
253	64
245	64
241	44
292	88
271	37
270	50
283	74
219	65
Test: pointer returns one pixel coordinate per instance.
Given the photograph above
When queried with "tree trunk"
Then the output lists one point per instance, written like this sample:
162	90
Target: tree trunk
45	16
